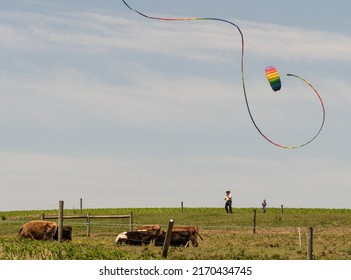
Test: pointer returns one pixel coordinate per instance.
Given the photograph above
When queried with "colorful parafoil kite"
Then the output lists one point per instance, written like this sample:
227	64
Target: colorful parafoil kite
271	72
273	78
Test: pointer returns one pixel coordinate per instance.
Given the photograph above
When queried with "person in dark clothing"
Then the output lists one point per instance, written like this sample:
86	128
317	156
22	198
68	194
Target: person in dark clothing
228	202
264	206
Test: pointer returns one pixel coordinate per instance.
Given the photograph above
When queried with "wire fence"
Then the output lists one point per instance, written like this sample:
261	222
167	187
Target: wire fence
111	224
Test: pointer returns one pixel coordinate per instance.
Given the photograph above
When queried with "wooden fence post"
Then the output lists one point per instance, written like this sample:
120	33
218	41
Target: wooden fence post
182	206
310	243
81	205
167	238
60	221
131	221
88	225
254	221
282	208
42	217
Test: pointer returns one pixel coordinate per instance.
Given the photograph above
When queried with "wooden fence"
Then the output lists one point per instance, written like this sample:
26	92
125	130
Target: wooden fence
89	217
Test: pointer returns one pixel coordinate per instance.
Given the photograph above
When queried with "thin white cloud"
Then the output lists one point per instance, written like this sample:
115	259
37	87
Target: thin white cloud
96	32
291	43
69	99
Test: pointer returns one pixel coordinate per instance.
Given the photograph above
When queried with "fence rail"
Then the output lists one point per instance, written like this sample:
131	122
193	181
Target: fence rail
89	217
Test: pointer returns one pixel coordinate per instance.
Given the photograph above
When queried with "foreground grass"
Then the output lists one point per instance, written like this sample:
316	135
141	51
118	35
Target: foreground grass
225	236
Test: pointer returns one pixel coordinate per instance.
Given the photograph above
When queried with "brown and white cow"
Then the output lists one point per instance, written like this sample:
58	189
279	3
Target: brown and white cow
134	238
143	235
44	230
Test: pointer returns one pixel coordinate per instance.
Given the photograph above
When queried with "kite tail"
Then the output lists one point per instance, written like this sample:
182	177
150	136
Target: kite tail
242	74
322	105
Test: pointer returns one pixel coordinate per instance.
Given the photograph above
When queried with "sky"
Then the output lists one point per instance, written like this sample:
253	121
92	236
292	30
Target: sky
99	103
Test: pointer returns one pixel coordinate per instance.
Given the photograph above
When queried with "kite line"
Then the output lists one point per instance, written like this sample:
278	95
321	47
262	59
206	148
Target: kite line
271	73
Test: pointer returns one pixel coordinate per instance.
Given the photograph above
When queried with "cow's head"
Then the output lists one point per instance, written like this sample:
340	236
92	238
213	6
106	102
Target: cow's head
122	237
66	233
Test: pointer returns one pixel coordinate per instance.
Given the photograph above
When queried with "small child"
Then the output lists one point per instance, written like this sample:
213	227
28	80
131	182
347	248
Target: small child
264	206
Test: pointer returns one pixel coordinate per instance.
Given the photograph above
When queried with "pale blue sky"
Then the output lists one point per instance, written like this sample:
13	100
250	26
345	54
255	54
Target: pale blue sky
99	103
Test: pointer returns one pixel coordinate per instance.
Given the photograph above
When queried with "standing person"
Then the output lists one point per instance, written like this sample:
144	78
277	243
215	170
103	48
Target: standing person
228	202
264	206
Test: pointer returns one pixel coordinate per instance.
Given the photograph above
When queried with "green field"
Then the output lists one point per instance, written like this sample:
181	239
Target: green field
226	236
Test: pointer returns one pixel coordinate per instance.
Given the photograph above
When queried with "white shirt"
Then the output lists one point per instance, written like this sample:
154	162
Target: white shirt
228	197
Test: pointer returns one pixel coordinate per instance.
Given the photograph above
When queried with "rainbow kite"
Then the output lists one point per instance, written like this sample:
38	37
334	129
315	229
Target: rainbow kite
271	72
273	78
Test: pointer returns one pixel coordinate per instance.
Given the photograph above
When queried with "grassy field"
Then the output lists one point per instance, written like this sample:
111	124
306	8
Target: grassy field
226	236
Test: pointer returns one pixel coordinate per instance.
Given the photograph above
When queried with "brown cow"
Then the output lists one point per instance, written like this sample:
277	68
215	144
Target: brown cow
43	230
193	230
178	238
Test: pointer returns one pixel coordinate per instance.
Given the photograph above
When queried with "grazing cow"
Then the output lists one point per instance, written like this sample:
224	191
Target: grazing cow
193	230
178	238
43	230
135	238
